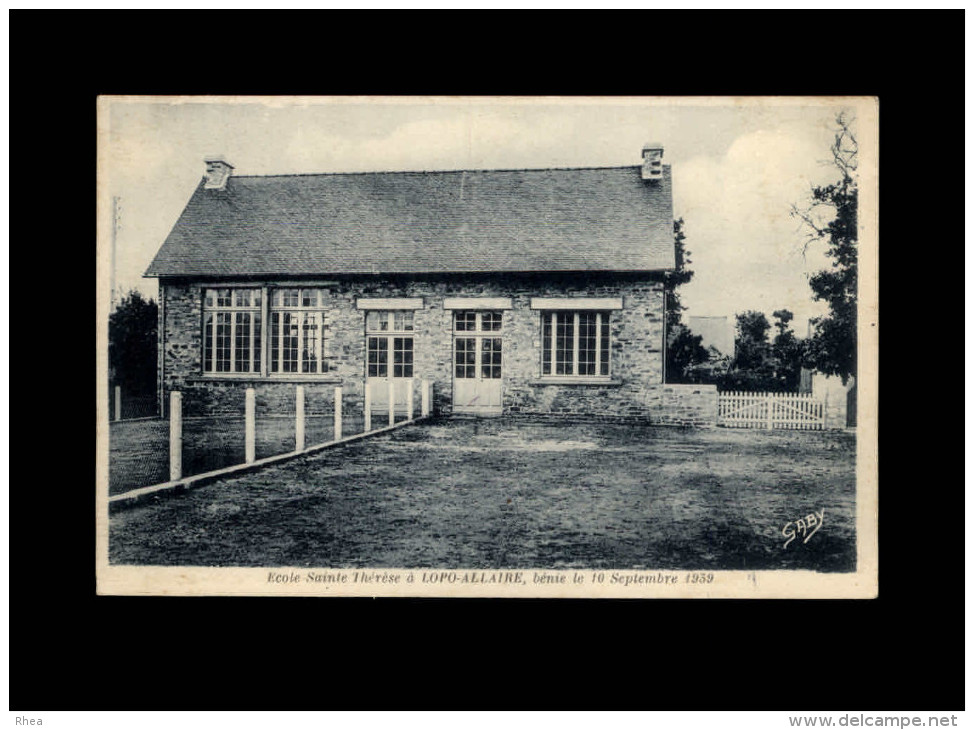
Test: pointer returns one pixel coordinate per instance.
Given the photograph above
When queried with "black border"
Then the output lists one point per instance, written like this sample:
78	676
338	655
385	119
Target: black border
71	650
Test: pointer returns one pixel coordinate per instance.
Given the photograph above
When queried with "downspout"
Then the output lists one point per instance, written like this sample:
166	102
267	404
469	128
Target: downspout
161	347
664	331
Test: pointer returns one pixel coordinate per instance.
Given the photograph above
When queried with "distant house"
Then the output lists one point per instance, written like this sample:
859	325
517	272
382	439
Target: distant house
513	291
717	332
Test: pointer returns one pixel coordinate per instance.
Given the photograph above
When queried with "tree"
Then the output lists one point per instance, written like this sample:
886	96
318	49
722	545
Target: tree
751	347
679	276
787	351
753	365
132	344
832	216
683	349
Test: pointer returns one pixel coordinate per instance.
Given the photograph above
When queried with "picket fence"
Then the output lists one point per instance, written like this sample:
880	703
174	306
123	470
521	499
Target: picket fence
770	410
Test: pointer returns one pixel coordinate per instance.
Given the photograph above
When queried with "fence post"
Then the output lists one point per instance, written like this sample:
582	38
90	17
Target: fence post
770	398
409	401
368	407
250	454
175	435
118	403
392	401
425	395
338	413
299	419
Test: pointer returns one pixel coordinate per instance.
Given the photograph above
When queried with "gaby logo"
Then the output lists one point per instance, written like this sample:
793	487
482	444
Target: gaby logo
803	527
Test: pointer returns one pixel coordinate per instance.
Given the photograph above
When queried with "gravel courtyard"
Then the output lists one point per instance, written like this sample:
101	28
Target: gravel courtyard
514	493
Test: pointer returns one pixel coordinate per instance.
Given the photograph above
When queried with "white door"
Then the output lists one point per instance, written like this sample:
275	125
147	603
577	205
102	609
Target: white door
389	348
477	362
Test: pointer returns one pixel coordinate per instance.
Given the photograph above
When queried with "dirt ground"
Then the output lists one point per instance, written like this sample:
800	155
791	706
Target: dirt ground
505	493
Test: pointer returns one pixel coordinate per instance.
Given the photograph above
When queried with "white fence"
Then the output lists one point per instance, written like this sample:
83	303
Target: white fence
770	410
250	428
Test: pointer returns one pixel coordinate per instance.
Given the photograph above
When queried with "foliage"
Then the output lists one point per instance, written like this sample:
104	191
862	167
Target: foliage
714	370
832	216
683	349
787	352
760	365
751	348
132	344
679	276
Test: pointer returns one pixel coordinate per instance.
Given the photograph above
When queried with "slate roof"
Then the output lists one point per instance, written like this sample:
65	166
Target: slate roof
579	219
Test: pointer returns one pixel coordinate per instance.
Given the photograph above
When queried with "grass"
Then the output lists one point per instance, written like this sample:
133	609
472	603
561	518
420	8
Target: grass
505	493
139	451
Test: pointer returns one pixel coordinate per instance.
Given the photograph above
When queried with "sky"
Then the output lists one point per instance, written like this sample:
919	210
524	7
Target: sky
739	164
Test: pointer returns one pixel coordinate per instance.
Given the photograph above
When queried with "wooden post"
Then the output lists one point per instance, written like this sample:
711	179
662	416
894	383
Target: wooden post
338	413
250	452
175	435
425	396
368	407
770	398
409	400
299	419
392	401
118	403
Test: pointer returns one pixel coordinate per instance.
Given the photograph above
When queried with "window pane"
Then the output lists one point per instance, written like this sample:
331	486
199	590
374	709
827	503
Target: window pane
210	299
460	357
309	343
223	297
289	345
309	297
242	343
604	351
275	342
466	357
586	343
465	321
208	343
257	336
223	343
490	357
378	348
565	343
371	321
546	343
402	357
491	321
241	297
287	297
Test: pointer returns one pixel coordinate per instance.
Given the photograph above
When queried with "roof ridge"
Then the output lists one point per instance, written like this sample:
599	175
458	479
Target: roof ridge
441	172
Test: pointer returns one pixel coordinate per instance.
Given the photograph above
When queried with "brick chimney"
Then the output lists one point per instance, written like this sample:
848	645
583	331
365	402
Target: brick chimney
652	161
217	172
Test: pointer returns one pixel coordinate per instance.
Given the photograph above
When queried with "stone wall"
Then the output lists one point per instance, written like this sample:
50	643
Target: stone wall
689	405
831	391
634	389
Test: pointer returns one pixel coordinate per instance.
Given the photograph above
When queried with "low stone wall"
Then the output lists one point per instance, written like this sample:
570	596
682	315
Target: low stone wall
688	405
835	395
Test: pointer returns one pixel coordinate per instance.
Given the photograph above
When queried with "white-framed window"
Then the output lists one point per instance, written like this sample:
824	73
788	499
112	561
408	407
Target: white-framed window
389	342
231	330
575	343
300	331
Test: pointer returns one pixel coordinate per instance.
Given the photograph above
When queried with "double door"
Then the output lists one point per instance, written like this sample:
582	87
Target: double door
478	355
389	348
